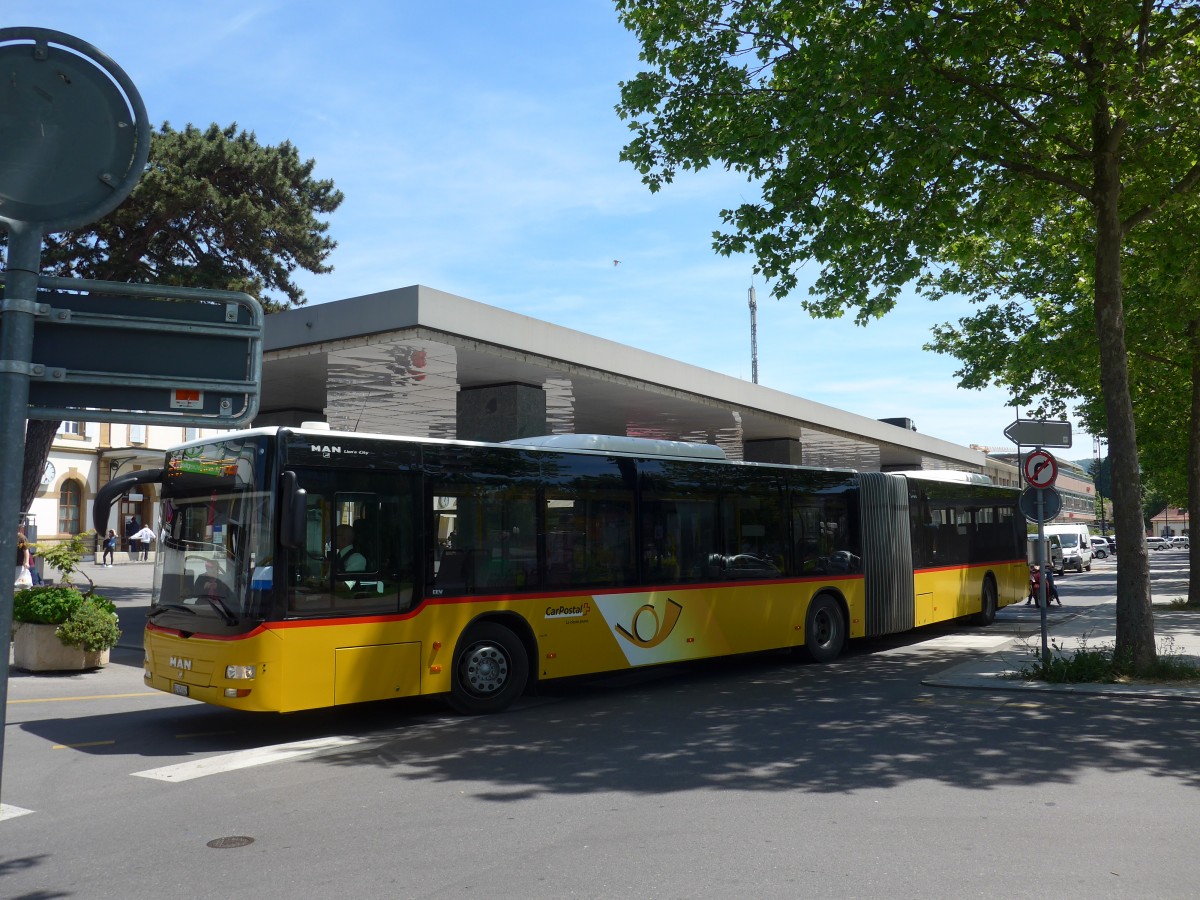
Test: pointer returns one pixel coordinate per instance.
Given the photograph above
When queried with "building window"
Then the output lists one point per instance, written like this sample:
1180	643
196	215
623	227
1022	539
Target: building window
70	502
137	434
190	434
75	428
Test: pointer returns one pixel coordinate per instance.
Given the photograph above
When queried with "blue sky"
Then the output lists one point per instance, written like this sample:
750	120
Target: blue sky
477	147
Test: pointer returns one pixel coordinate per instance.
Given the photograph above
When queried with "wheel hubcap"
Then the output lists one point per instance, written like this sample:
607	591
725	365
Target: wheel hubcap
485	669
824	627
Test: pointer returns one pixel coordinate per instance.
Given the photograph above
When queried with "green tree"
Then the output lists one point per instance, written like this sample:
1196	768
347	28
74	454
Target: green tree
214	209
1044	350
903	142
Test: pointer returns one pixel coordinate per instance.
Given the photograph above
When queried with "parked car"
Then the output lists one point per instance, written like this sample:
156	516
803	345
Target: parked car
1181	542
1100	548
1157	543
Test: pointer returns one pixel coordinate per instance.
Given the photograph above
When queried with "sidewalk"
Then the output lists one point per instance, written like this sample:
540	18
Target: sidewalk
1177	634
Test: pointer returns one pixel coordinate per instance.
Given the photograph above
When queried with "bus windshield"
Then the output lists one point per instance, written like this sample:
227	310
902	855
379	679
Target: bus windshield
214	572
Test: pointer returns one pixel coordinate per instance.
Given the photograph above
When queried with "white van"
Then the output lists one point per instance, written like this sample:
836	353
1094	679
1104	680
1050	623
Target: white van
1076	545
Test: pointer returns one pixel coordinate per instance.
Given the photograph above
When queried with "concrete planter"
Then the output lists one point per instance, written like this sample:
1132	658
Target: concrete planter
36	648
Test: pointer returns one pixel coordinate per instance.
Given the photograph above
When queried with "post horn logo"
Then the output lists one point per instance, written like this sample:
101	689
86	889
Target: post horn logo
646	630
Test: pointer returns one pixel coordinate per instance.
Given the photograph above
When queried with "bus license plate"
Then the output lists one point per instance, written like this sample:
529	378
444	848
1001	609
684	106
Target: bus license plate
180	689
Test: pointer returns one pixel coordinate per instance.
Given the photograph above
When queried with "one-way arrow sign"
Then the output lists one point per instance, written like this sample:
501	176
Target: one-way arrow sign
1039	433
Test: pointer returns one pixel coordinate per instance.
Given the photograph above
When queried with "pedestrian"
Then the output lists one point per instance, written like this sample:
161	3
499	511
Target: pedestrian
33	572
131	528
145	537
22	579
110	544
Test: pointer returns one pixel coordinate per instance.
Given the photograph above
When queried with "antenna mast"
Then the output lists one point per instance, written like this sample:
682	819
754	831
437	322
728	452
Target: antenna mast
753	336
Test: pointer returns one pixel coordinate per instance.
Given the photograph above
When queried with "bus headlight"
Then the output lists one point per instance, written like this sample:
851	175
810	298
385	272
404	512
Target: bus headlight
240	673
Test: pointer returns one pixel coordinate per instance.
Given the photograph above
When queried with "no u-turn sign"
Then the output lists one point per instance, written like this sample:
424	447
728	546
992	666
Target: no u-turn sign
1040	468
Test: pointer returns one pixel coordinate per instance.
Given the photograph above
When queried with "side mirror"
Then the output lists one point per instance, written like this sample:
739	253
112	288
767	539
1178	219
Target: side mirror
293	523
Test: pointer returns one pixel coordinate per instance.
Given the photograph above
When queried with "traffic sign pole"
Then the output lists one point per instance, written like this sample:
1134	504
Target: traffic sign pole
1043	598
16	345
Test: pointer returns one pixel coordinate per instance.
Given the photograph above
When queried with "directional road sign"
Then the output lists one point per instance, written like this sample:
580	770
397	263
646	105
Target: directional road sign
1040	468
154	354
1039	433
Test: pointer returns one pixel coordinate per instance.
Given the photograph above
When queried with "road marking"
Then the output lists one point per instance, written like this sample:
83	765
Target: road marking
12	812
85	697
84	744
244	759
951	642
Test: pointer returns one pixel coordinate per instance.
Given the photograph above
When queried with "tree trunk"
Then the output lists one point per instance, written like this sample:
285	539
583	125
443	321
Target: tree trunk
1193	471
39	435
1135	618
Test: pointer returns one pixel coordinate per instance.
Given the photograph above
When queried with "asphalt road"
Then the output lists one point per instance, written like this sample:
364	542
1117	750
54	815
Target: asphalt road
750	777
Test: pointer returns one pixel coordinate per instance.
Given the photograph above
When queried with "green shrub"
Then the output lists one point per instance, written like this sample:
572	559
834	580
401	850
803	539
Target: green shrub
1103	665
91	626
1183	603
47	605
65	556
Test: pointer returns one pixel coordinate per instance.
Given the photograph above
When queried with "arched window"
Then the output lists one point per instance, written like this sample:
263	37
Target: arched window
70	502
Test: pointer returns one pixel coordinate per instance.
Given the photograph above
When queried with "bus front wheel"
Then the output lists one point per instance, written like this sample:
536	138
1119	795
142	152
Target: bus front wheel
824	629
491	669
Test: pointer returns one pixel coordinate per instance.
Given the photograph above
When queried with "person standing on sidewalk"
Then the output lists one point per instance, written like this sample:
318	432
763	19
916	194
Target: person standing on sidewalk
23	578
110	544
145	537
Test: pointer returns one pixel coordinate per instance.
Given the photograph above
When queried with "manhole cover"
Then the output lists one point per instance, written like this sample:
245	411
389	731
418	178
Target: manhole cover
226	843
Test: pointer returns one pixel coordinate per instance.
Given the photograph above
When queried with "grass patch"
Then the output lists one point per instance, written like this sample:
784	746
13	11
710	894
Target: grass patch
1181	603
1103	665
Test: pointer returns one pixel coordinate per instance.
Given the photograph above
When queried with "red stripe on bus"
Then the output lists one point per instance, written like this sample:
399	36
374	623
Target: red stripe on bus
351	619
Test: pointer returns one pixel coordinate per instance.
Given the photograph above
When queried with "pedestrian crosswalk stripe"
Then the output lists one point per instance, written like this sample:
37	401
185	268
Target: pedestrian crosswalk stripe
244	759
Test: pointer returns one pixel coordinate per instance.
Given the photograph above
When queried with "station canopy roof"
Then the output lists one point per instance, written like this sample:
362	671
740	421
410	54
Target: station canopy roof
393	363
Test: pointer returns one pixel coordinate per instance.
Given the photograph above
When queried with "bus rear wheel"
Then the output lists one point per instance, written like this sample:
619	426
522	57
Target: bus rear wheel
987	604
824	629
491	670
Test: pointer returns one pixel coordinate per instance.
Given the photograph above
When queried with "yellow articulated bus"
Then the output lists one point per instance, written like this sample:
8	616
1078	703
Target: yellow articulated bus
304	568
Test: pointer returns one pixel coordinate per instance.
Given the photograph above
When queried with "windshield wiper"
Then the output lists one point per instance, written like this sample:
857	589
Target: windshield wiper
163	607
225	612
219	605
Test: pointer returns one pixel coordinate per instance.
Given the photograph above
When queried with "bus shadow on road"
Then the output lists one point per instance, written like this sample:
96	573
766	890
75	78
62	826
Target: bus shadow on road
760	724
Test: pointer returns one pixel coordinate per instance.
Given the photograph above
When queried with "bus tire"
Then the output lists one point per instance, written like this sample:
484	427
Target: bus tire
491	670
987	603
824	629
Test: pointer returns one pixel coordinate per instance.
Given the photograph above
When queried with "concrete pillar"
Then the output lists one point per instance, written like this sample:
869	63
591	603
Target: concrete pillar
501	412
787	451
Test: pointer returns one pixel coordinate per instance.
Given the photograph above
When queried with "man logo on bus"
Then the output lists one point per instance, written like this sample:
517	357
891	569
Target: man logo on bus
645	630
